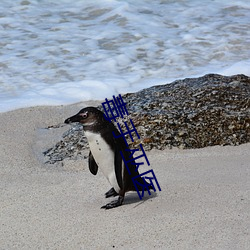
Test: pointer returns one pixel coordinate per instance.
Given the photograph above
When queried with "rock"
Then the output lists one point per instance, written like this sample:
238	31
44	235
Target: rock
190	113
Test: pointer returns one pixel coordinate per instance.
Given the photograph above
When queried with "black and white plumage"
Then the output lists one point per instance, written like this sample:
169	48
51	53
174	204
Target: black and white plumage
105	153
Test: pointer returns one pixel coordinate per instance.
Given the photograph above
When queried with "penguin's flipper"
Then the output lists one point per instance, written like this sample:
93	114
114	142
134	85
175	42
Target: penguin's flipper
93	167
113	204
111	193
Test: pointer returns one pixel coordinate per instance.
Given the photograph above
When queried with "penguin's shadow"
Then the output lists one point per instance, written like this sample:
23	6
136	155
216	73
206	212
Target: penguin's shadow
133	198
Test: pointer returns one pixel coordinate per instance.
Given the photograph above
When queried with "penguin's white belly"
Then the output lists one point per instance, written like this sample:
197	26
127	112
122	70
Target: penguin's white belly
104	157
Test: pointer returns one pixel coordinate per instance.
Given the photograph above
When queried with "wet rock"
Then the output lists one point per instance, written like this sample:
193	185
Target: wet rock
190	113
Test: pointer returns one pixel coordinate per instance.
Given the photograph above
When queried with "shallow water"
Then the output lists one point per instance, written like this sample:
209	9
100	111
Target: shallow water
62	52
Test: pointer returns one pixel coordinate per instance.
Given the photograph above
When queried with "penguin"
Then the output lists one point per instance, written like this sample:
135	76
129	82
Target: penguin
105	154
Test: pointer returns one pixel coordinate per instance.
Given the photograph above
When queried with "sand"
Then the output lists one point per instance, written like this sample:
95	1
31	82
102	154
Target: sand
204	202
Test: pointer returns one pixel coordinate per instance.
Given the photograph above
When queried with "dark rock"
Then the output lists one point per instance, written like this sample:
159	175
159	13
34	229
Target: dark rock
190	113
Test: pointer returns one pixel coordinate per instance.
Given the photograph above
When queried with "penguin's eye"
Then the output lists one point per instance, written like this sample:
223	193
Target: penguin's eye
84	115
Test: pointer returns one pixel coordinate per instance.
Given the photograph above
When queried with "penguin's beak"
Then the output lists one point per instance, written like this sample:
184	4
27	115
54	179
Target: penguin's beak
74	118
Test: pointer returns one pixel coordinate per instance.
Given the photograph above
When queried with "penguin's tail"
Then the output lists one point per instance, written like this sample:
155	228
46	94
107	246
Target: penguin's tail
143	185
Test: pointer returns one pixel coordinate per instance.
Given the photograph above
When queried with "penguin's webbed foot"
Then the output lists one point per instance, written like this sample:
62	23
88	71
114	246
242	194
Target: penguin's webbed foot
113	204
111	193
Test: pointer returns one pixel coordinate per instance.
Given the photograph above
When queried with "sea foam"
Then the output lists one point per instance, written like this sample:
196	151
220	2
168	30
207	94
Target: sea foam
63	52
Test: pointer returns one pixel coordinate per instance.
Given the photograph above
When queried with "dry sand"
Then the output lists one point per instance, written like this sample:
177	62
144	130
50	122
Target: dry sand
204	202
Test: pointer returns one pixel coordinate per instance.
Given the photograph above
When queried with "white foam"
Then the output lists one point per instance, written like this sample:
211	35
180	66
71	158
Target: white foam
61	52
242	67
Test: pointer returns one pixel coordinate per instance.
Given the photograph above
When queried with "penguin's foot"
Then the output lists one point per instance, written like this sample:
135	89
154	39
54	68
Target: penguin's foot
111	193
113	204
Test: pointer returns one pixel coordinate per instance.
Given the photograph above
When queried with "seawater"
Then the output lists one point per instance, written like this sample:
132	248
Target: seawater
61	52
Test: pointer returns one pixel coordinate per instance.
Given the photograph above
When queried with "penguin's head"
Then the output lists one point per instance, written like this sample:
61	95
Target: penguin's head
89	116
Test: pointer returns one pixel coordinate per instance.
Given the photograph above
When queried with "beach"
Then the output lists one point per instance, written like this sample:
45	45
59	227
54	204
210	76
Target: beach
204	202
57	56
